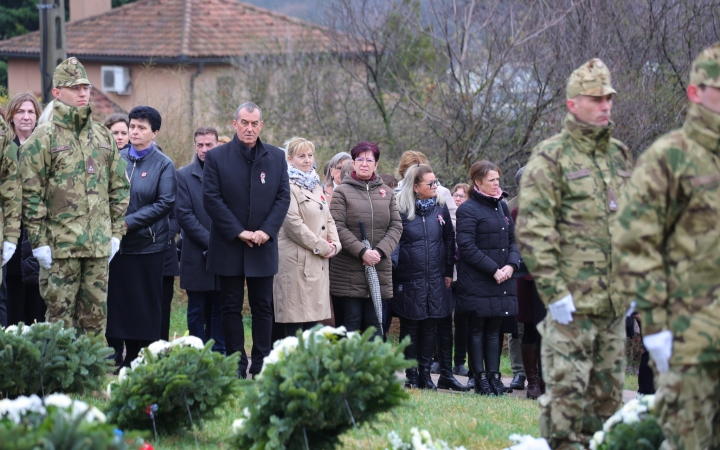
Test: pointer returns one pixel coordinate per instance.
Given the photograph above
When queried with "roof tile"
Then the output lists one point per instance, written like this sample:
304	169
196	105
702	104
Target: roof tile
172	29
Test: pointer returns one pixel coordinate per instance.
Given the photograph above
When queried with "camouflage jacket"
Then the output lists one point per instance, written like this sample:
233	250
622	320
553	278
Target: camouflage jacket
566	208
75	191
10	192
668	238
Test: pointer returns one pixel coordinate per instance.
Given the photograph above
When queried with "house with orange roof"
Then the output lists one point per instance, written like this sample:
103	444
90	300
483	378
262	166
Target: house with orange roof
174	55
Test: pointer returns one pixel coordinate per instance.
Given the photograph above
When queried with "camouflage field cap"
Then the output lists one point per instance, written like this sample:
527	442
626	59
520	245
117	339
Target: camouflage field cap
706	67
69	73
592	78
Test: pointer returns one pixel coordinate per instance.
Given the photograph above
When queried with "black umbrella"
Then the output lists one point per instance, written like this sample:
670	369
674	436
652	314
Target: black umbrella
372	279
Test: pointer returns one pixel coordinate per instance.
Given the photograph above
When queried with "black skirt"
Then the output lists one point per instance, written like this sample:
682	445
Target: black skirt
134	303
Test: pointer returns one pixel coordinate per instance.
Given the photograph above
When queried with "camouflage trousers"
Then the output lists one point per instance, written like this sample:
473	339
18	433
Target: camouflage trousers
583	366
75	292
688	402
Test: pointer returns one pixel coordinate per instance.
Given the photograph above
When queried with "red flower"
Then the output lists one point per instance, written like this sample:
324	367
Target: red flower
147	446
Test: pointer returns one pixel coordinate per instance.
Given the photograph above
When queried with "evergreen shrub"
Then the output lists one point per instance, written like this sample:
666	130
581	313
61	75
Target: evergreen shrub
46	357
169	382
315	386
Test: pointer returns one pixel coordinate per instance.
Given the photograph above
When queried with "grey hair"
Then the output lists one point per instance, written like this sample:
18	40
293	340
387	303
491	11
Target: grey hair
342	156
405	194
518	175
249	107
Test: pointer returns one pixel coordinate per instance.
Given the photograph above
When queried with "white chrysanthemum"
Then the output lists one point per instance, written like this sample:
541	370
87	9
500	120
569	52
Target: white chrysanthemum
650	401
188	341
78	408
96	415
597	440
612	421
16	409
158	346
395	441
122	374
136	362
238	425
108	389
246	412
632	405
12	329
61	401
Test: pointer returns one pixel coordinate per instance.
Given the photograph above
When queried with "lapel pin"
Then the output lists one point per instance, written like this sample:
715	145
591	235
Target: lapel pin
262	177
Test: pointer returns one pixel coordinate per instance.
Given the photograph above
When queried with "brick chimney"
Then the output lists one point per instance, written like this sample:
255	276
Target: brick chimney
81	9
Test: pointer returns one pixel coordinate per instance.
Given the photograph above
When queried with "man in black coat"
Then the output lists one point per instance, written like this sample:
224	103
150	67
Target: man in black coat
246	193
202	287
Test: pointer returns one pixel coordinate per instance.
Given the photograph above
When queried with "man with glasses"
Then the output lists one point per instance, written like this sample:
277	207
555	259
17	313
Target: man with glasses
246	194
75	194
202	287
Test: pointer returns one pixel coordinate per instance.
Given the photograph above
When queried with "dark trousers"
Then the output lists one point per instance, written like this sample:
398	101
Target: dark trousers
24	302
422	339
338	310
445	328
359	314
3	300
260	292
483	343
197	320
168	289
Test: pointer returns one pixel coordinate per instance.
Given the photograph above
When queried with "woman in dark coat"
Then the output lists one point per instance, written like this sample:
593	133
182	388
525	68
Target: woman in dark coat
136	272
485	288
423	265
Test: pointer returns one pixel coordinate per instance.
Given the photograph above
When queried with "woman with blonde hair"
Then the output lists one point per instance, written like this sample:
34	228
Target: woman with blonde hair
423	264
307	240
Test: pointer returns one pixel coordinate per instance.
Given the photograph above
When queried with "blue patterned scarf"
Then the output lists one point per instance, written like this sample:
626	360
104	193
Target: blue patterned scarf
304	180
423	206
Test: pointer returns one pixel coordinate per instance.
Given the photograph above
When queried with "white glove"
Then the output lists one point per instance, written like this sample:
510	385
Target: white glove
8	251
659	345
44	256
631	309
114	247
562	310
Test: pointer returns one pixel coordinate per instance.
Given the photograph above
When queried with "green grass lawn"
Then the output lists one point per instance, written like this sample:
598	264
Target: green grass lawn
460	419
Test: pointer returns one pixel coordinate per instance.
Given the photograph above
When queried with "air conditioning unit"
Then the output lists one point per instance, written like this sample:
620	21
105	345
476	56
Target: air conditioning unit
116	79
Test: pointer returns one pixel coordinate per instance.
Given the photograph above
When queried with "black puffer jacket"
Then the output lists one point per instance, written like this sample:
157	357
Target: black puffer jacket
152	196
423	258
486	241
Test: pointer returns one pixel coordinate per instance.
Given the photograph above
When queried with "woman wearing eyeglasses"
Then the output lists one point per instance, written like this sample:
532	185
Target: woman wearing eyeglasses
485	288
363	197
423	268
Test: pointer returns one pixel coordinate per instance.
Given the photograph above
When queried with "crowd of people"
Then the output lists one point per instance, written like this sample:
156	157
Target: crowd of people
97	210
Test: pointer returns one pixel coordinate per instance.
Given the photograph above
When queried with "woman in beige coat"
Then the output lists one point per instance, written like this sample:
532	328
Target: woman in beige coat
307	240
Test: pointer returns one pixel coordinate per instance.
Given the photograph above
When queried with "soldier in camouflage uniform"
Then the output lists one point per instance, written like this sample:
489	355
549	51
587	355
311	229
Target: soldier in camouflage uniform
74	198
10	194
667	247
567	204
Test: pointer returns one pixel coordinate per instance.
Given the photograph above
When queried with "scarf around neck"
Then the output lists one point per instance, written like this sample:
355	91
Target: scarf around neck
491	196
304	180
423	206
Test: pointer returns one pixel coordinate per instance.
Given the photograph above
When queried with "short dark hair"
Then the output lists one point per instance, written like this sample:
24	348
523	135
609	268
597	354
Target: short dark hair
114	118
202	131
363	147
147	113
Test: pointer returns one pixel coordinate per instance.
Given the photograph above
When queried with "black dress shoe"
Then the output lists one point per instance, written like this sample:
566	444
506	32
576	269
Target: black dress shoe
518	382
471	382
450	383
412	378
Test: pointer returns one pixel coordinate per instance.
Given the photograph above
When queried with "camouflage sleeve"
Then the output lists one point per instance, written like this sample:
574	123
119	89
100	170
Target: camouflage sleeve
34	163
118	192
536	233
647	209
10	189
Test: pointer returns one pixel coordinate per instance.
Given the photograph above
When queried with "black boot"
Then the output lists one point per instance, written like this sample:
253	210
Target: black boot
496	384
446	379
518	382
482	385
412	378
460	369
425	381
471	382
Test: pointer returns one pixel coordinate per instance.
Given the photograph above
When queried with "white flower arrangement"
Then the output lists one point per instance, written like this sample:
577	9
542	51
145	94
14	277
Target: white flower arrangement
14	329
633	411
527	442
284	347
16	409
238	424
419	440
